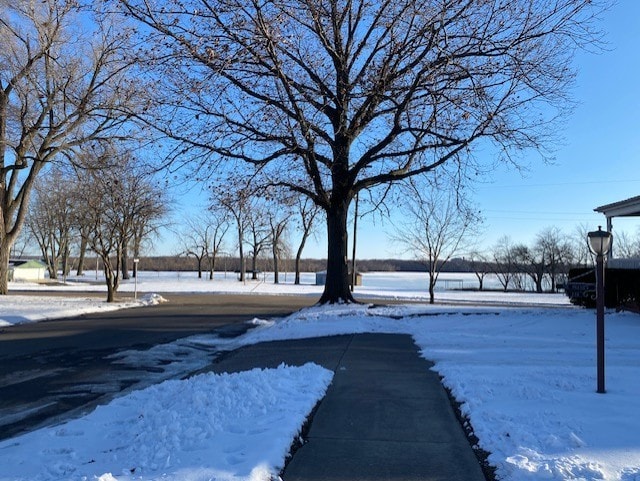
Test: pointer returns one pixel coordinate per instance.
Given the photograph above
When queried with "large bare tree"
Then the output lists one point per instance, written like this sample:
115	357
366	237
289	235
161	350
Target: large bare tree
332	97
61	85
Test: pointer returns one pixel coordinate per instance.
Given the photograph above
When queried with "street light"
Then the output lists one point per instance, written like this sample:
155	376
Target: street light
600	244
135	277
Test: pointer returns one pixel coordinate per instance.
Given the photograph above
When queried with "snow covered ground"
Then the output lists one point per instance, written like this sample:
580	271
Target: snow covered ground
524	371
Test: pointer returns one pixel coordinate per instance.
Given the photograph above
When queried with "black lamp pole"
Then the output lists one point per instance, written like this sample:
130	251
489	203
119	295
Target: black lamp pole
600	320
600	244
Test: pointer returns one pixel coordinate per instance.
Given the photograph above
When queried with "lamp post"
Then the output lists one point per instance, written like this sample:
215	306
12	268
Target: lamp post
600	244
135	277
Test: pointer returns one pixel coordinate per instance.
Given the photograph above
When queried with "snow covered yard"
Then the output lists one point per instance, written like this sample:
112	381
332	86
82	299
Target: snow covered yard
526	379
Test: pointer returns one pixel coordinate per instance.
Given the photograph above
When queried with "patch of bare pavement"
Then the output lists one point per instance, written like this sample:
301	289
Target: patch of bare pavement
55	369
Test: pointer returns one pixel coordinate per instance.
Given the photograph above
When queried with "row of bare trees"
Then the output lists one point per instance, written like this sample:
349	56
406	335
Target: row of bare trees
109	211
541	266
440	224
257	220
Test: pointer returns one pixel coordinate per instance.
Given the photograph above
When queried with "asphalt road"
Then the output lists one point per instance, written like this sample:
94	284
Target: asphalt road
55	369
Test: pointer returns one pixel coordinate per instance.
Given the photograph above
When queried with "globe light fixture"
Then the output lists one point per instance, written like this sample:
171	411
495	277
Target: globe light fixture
599	241
600	245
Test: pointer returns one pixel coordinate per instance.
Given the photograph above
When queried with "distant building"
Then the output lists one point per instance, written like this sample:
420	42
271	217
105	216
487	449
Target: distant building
27	270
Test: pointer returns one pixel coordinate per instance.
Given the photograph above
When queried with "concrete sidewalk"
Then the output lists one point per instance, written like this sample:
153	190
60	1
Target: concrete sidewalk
385	416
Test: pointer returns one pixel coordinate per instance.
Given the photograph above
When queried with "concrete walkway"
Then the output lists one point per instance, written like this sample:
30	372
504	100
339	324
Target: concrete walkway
385	416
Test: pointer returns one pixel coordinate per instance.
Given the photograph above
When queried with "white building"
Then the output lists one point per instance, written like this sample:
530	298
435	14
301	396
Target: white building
27	270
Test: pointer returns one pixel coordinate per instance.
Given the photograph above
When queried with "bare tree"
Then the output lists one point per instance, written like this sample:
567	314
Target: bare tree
438	223
146	227
235	200
258	234
307	212
195	242
51	221
278	228
279	217
144	210
627	246
100	212
109	203
504	261
333	98
480	266
219	225
204	236
580	245
22	245
556	250
529	263
82	249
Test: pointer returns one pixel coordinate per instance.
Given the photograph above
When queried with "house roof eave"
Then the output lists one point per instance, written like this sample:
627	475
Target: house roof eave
624	208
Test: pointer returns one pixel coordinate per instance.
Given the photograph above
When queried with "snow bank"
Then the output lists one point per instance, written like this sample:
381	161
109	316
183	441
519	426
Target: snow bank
210	427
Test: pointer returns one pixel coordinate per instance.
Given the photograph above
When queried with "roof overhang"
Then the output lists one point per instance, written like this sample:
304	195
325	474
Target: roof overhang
624	208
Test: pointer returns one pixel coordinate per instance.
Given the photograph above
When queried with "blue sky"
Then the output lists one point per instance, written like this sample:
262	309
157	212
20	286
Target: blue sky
597	162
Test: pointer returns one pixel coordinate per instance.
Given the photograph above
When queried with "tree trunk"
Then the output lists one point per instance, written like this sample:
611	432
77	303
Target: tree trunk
296	281
125	262
303	241
111	292
83	252
241	252
433	278
52	265
432	295
298	257
276	271
336	288
539	285
254	267
212	266
5	251
66	261
110	276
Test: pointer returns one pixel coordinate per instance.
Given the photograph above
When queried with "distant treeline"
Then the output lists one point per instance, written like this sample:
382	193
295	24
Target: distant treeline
184	264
